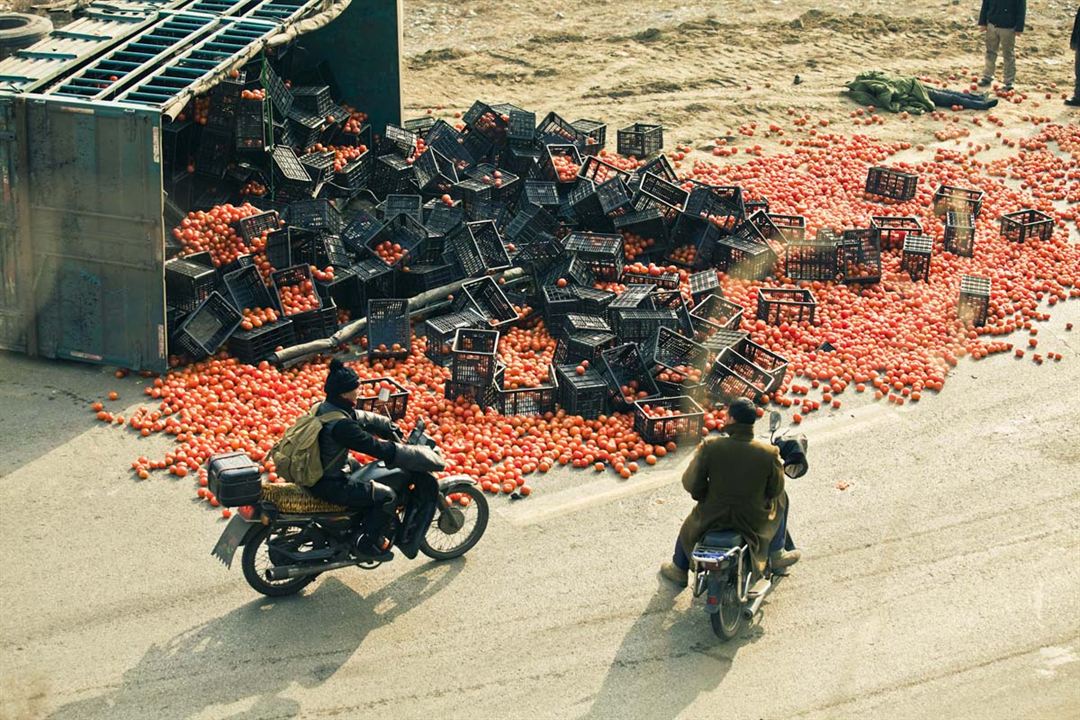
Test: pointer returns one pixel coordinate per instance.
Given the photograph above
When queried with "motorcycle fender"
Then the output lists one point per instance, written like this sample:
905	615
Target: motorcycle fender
453	481
713	585
236	534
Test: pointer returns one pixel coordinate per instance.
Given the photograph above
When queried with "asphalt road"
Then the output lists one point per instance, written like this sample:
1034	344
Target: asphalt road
943	582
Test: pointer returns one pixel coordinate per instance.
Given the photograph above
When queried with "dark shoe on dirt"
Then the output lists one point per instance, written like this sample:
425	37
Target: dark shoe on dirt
1007	88
674	574
778	561
1073	102
985	82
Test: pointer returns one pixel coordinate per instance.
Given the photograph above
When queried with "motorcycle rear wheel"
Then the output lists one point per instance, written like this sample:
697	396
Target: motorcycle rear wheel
454	531
256	560
727	621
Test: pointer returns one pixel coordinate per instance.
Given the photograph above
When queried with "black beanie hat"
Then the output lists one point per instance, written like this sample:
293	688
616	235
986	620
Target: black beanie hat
742	411
341	379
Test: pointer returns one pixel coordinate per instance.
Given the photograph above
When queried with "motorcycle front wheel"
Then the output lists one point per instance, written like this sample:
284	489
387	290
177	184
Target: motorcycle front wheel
455	530
258	557
728	619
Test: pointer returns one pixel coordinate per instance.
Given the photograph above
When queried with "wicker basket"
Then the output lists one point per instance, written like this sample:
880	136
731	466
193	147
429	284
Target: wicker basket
290	498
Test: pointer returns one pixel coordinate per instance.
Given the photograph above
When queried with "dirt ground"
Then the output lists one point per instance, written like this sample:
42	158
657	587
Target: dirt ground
944	581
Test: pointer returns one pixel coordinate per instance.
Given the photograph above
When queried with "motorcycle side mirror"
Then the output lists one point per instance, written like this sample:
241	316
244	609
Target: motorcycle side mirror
384	394
774	421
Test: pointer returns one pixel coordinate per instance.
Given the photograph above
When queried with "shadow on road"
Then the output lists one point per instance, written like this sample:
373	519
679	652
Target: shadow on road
665	661
252	655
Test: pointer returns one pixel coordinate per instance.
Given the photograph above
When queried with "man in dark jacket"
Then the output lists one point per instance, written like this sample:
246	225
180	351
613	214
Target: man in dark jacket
351	429
738	483
1002	20
1074	43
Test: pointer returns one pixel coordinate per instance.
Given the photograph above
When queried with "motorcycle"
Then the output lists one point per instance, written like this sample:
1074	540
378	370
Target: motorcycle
284	550
722	557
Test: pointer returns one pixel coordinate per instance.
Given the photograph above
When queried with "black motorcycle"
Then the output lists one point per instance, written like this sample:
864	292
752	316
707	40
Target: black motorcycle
722	558
286	545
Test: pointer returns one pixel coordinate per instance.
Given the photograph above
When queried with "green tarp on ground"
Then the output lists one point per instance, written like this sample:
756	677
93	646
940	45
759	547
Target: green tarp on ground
890	92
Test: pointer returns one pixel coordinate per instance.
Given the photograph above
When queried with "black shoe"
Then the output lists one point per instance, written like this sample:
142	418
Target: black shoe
1073	101
367	550
985	82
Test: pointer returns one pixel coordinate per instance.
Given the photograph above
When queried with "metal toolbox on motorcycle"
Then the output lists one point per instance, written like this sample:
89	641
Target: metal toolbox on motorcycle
234	479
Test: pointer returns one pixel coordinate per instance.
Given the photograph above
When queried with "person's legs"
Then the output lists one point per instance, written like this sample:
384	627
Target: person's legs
354	495
992	42
1008	49
1076	74
777	543
679	558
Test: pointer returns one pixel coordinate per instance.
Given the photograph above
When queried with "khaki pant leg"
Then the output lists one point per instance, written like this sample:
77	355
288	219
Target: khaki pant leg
1008	50
992	42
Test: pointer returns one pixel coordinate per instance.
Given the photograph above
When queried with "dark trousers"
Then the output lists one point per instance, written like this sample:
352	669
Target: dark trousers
339	490
1076	71
779	541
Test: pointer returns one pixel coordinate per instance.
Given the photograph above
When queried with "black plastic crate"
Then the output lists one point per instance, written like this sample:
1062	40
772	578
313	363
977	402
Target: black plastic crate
504	184
1027	224
521	127
571	268
411	237
743	258
792	227
626	372
891	230
676	352
615	198
582	346
207	327
442	220
343	289
576	322
394	407
584	204
554	130
224	99
583	394
448	141
633	275
315	99
420	126
948	198
254	226
714	313
721	205
722	340
391	174
291	246
279	95
973	306
600	171
360	228
487	122
737	372
354	175
603	253
251	125
187	283
530	402
295	276
543	193
434	172
174	318
215	152
638	325
634	296
418	279
649	224
375	281
255	345
557	302
474	356
316	214
486	297
440	332
816	258
860	259
791	305
667	197
915	260
891	183
388	330
530	223
593	301
247	290
320	166
640	140
694	233
959	238
549	166
403	204
306	128
288	173
398	141
595	133
705	282
316	324
667	419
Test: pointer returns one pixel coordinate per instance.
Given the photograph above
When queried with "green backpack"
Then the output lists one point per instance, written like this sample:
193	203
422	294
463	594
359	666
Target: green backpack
296	455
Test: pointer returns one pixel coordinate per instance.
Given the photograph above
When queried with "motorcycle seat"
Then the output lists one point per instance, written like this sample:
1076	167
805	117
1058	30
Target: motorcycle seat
296	500
722	539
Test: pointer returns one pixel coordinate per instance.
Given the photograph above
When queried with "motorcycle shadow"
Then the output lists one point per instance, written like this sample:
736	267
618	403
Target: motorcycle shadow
667	659
242	663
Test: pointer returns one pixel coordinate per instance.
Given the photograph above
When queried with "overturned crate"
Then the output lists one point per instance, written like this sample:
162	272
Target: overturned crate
532	401
388	331
583	393
891	230
973	306
960	233
668	419
915	260
486	298
627	375
474	356
948	198
860	258
816	258
1024	225
790	305
891	183
440	332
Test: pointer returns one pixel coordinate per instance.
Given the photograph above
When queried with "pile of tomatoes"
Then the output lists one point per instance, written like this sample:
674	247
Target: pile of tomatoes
298	298
390	253
565	167
257	317
634	245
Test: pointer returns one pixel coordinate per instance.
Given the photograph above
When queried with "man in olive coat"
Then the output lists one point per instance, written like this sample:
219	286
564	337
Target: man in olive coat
738	483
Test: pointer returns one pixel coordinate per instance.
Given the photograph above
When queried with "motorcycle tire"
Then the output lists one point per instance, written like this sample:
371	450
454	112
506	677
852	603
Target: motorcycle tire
260	583
727	621
478	500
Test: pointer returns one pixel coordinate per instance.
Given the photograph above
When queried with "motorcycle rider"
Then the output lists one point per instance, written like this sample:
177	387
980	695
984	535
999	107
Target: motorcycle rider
361	431
738	483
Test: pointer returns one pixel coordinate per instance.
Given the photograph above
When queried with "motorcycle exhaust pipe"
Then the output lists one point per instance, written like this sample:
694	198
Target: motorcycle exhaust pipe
751	610
288	572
